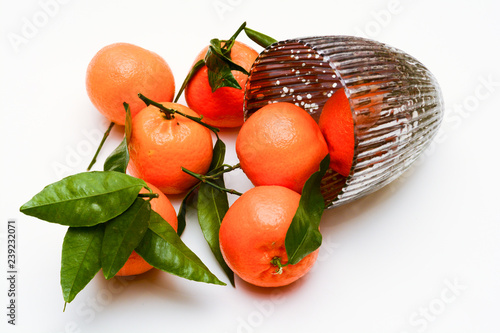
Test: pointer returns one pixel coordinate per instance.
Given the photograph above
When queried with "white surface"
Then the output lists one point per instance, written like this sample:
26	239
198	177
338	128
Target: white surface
428	242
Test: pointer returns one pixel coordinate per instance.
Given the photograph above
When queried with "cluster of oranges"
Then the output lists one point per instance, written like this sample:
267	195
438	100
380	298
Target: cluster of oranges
279	147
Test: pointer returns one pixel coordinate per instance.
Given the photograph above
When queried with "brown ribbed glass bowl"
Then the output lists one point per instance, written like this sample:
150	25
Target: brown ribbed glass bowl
396	102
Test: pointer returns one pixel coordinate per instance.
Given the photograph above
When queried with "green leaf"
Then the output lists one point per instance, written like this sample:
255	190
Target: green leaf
212	206
234	36
220	65
221	76
260	38
187	202
219	69
81	258
199	64
128	122
215	50
162	248
118	159
303	236
85	199
219	154
227	45
122	235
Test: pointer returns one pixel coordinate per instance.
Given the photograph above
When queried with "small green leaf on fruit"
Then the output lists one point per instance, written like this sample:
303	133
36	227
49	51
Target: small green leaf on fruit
118	159
303	235
219	67
215	51
221	76
219	154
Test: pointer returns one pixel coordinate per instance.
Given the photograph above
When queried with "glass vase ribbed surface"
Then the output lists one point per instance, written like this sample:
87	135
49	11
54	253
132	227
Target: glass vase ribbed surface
396	102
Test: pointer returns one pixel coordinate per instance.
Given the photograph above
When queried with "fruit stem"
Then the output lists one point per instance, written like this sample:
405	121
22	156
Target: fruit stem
173	111
105	136
228	169
203	179
168	112
228	46
276	261
151	195
148	195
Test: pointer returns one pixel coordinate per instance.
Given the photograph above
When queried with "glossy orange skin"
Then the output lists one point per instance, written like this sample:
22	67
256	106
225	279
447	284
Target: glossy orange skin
118	72
135	264
159	147
253	232
337	126
224	107
280	144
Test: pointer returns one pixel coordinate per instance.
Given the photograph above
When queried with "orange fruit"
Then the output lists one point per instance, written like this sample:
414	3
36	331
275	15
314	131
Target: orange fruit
224	107
135	264
252	237
118	72
337	126
280	144
159	147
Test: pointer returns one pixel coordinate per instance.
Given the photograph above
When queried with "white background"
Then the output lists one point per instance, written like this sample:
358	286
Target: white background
421	255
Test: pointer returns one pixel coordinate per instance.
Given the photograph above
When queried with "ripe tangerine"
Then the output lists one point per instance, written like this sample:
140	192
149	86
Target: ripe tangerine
252	237
159	147
118	72
337	126
280	144
224	107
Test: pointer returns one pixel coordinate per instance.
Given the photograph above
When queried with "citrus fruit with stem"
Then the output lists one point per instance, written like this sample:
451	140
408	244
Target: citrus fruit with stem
118	72
162	143
337	126
252	237
224	106
280	144
135	264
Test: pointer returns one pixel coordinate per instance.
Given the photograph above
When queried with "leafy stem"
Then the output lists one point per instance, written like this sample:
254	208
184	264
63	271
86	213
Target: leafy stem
229	43
148	195
219	63
207	180
105	136
303	235
169	112
225	168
